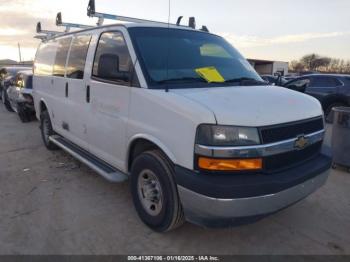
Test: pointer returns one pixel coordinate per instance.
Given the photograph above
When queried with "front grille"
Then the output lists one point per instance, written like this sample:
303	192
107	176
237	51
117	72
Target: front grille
286	160
282	132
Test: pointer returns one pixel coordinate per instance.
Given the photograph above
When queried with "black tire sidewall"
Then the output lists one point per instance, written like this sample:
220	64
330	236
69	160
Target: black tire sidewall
46	117
23	114
163	221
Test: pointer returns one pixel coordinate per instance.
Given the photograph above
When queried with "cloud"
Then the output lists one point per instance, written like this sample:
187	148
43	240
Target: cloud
10	32
255	41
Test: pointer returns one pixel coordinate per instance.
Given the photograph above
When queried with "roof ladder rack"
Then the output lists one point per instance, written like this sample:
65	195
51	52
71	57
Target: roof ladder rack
45	33
69	25
41	37
91	12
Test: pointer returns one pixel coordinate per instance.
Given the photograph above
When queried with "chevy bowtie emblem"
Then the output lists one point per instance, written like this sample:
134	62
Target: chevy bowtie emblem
301	142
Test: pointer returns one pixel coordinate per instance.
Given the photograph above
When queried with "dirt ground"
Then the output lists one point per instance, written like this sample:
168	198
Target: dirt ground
50	204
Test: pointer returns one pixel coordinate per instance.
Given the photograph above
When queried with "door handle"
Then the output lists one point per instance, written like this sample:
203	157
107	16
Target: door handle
87	94
66	92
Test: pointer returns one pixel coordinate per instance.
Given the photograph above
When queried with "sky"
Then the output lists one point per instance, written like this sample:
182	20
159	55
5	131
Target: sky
282	30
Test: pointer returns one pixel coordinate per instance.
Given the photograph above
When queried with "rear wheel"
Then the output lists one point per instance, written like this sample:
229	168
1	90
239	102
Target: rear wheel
329	114
47	131
5	100
23	114
155	193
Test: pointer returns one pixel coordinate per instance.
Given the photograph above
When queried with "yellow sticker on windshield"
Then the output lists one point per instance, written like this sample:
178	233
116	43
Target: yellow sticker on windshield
211	74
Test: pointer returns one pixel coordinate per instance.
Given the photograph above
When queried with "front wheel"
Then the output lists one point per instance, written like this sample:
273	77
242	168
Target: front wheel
155	193
47	131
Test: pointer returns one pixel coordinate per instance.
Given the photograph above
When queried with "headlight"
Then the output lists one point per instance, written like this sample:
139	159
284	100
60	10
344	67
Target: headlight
214	135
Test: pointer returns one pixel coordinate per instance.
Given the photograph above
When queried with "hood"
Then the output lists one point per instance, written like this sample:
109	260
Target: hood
254	106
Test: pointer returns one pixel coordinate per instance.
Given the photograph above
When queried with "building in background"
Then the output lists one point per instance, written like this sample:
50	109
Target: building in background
266	67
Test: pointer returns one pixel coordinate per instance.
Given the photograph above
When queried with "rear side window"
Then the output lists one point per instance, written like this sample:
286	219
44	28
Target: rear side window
44	60
112	59
61	56
324	81
77	57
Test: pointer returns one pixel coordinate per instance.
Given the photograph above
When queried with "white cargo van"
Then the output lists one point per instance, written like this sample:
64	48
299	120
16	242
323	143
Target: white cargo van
183	115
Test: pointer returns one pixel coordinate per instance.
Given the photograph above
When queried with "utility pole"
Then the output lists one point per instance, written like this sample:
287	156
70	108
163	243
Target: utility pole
19	52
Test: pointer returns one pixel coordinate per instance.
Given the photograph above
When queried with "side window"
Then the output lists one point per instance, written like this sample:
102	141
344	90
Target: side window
77	57
112	59
61	56
324	81
44	59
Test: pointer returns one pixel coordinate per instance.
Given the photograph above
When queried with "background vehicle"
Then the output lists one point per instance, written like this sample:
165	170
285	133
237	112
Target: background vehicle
330	90
274	80
7	74
19	95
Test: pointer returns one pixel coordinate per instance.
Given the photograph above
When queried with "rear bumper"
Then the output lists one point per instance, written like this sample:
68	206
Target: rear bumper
234	201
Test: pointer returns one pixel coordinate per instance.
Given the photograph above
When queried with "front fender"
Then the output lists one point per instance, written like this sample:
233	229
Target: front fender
153	140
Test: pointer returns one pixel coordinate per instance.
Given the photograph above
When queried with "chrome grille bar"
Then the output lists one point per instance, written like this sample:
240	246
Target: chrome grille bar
258	150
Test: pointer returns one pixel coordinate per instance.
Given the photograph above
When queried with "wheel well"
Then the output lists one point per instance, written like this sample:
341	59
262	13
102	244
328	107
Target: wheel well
332	100
42	107
138	147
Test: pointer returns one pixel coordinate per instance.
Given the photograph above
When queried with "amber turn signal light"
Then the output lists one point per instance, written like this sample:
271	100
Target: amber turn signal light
229	164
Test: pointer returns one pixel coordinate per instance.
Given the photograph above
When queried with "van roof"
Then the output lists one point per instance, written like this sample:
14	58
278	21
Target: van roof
130	25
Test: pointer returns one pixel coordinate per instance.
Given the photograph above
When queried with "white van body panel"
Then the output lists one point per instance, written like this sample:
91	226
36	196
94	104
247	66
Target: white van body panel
169	117
108	109
118	115
254	106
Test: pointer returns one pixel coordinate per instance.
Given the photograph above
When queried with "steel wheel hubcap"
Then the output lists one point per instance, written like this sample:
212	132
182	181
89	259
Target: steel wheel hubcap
150	192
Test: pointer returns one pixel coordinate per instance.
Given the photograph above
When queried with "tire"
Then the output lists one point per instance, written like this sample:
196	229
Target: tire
329	114
23	114
47	131
152	173
5	101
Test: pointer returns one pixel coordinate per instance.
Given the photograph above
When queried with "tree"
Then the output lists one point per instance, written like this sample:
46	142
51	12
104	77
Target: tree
313	62
297	66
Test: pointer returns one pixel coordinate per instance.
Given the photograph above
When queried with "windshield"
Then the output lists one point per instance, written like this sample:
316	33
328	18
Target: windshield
172	58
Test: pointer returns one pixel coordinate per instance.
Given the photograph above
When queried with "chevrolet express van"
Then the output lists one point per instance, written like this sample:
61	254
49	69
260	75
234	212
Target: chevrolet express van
185	117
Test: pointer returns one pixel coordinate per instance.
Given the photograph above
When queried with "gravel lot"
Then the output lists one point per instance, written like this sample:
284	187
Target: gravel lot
50	204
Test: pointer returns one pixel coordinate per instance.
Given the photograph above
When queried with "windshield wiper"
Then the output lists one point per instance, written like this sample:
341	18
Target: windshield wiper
244	81
182	80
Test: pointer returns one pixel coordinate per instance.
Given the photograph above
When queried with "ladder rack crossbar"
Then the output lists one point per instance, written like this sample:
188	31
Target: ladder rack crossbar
69	25
91	12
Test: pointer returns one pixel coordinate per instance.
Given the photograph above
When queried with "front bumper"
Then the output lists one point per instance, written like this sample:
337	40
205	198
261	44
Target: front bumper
250	202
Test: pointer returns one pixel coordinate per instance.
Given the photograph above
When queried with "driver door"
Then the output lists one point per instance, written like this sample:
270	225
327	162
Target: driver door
108	98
